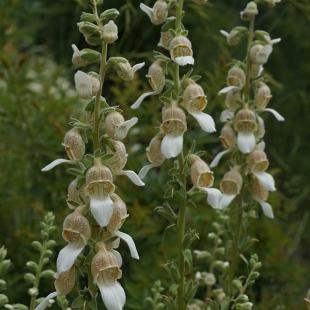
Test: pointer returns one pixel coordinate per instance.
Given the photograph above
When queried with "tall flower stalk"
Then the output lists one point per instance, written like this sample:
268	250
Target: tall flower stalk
92	230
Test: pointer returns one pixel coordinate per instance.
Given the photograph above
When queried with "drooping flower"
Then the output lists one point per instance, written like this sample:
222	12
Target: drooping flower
233	38
154	154
156	78
116	126
233	101
110	32
158	13
99	186
235	80
76	231
118	161
75	194
106	271
181	50
64	283
74	146
86	85
245	125
194	101
174	126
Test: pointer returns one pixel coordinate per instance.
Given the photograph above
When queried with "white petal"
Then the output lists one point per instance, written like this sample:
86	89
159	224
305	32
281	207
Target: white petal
137	104
214	196
263	55
261	145
224	33
133	177
205	121
225	201
185	60
118	256
267	209
172	146
266	180
227	89
75	49
144	170
102	210
274	41
246	141
226	115
112	294
277	115
123	129
83	85
136	67
45	301
147	10
57	162
130	243
68	255
218	157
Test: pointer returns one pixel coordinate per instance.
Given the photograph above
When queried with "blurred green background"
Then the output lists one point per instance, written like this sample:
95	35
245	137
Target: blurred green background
37	99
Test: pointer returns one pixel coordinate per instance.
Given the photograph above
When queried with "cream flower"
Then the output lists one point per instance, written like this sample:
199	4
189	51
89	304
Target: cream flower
181	50
158	13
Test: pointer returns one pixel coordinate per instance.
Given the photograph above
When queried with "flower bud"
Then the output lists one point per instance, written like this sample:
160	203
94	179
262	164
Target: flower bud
245	120
258	192
232	182
119	213
74	193
249	12
233	100
165	38
87	17
88	28
154	154
262	95
201	175
84	57
181	50
194	96
236	77
200	2
209	279
87	85
119	158
233	38
158	13
65	281
257	160
110	32
109	14
3	300
156	76
74	145
228	137
93	40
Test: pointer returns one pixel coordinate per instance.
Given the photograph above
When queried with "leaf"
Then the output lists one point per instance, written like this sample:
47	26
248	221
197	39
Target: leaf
187	254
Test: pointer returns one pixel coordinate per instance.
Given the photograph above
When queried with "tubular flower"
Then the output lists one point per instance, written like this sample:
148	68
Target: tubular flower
228	139
116	126
260	131
262	97
156	77
154	154
86	85
260	194
174	126
76	231
165	38
233	38
124	69
84	57
75	194
181	50
74	146
118	217
257	163
158	13
64	283
99	186
233	101
245	125
118	161
194	101
106	271
235	80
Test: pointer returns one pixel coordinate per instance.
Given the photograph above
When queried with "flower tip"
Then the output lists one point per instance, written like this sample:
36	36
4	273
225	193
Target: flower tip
224	33
185	60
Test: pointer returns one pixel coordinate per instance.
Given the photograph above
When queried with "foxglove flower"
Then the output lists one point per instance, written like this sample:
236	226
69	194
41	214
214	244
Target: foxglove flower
194	101
86	85
118	217
233	38
174	126
233	101
154	154
116	126
76	231
123	68
99	187
110	32
156	77
75	194
64	283
181	50
158	13
235	80
106	271
84	57
245	125
75	148
260	194
118	161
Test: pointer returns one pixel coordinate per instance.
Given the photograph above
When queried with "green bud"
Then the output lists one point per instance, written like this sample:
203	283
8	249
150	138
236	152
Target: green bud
29	277
93	40
2	285
3	300
37	245
32	266
3	253
109	14
245	306
45	260
88	28
47	273
51	243
87	17
33	291
19	307
253	276
237	284
4	265
174	272
212	235
242	299
48	253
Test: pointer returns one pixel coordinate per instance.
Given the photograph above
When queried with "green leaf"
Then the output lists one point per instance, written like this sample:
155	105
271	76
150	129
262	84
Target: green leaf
188	261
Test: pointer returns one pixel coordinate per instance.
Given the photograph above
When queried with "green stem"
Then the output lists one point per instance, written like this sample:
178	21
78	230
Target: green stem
181	230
